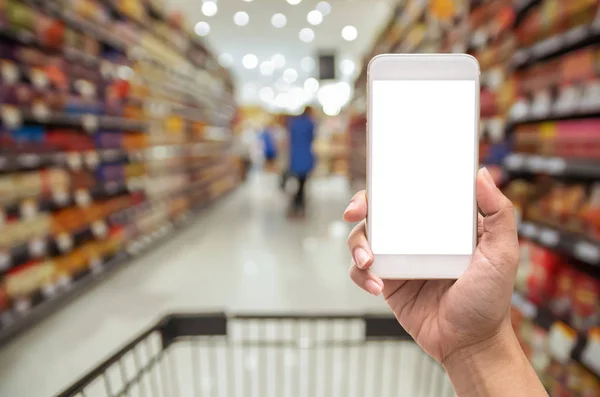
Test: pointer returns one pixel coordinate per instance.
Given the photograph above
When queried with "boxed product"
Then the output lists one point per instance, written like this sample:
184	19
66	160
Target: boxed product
586	302
541	284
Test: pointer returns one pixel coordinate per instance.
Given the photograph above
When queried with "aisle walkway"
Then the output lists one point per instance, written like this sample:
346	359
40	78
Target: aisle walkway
241	255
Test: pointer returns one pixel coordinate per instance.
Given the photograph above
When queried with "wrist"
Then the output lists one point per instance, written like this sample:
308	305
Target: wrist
488	366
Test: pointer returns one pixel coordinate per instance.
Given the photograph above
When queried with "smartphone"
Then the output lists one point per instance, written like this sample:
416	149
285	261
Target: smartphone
422	160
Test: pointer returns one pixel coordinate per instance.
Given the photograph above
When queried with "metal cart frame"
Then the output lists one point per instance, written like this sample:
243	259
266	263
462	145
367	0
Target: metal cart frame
267	355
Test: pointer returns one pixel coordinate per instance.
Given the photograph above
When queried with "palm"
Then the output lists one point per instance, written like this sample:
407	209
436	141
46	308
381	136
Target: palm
444	315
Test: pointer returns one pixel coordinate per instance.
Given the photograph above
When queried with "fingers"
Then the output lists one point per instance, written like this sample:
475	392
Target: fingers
366	280
499	241
359	247
357	209
489	198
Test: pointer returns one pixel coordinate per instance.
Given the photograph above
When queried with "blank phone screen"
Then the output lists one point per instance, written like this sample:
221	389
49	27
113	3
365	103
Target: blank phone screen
423	137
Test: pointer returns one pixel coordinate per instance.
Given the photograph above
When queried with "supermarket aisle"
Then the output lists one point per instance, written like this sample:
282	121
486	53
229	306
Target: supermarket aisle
241	255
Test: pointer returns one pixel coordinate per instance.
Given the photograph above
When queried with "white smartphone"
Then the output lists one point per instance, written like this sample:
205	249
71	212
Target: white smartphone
423	119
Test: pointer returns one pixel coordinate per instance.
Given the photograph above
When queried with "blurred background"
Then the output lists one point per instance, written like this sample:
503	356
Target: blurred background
154	157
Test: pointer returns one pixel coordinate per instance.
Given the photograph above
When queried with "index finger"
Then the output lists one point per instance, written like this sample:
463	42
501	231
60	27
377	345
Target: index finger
357	209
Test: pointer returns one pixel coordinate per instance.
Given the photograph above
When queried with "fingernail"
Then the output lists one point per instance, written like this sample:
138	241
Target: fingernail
373	287
350	207
361	257
488	176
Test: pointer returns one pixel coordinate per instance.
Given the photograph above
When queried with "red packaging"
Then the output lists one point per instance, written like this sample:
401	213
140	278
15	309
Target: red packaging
561	304
586	302
541	282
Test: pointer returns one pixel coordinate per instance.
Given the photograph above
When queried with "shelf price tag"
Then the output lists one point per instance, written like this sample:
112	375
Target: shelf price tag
562	340
99	229
514	162
74	161
64	242
60	196
49	290
22	306
83	198
90	122
29	160
549	237
5	260
65	281
10	72
29	209
529	230
37	247
587	252
96	265
40	111
11	117
92	159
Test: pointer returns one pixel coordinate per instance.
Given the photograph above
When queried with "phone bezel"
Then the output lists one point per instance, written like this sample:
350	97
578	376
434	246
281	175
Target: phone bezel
422	67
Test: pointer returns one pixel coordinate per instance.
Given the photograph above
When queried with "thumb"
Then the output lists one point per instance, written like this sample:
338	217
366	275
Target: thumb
499	241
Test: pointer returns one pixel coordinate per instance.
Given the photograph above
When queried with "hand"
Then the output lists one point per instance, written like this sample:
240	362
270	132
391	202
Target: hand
447	316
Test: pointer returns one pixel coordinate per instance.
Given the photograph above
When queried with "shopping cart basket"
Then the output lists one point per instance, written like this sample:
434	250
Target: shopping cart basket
268	356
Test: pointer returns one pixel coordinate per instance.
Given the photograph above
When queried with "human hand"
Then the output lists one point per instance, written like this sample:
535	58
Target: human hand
447	316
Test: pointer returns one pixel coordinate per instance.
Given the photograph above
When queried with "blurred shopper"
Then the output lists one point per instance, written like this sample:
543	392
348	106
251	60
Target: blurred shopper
269	142
302	161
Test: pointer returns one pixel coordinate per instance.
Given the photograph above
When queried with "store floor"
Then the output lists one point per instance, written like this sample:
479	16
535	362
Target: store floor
241	255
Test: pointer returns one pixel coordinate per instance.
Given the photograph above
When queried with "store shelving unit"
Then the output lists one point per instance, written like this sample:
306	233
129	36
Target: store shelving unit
539	102
93	187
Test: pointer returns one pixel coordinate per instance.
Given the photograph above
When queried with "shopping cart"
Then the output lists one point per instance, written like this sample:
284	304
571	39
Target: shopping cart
268	356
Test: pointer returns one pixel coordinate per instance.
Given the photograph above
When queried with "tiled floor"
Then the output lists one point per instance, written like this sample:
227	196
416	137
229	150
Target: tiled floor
242	255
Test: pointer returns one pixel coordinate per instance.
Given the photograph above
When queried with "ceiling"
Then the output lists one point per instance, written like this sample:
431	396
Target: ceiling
261	38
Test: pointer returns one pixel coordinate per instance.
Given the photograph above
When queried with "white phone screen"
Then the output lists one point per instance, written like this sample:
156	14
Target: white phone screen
422	167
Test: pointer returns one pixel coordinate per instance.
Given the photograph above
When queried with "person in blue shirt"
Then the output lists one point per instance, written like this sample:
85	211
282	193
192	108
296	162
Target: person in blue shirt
302	160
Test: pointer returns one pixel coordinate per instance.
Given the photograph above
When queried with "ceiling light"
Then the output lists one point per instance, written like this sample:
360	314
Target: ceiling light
334	95
278	20
202	28
311	85
324	7
267	68
314	17
294	2
226	60
266	94
290	75
349	33
307	35
209	9
307	64
347	67
331	110
278	61
241	18
250	61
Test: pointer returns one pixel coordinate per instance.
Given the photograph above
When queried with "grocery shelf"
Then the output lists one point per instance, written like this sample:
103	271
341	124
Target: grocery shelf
527	118
574	245
557	166
544	318
52	202
557	45
29	161
26	314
